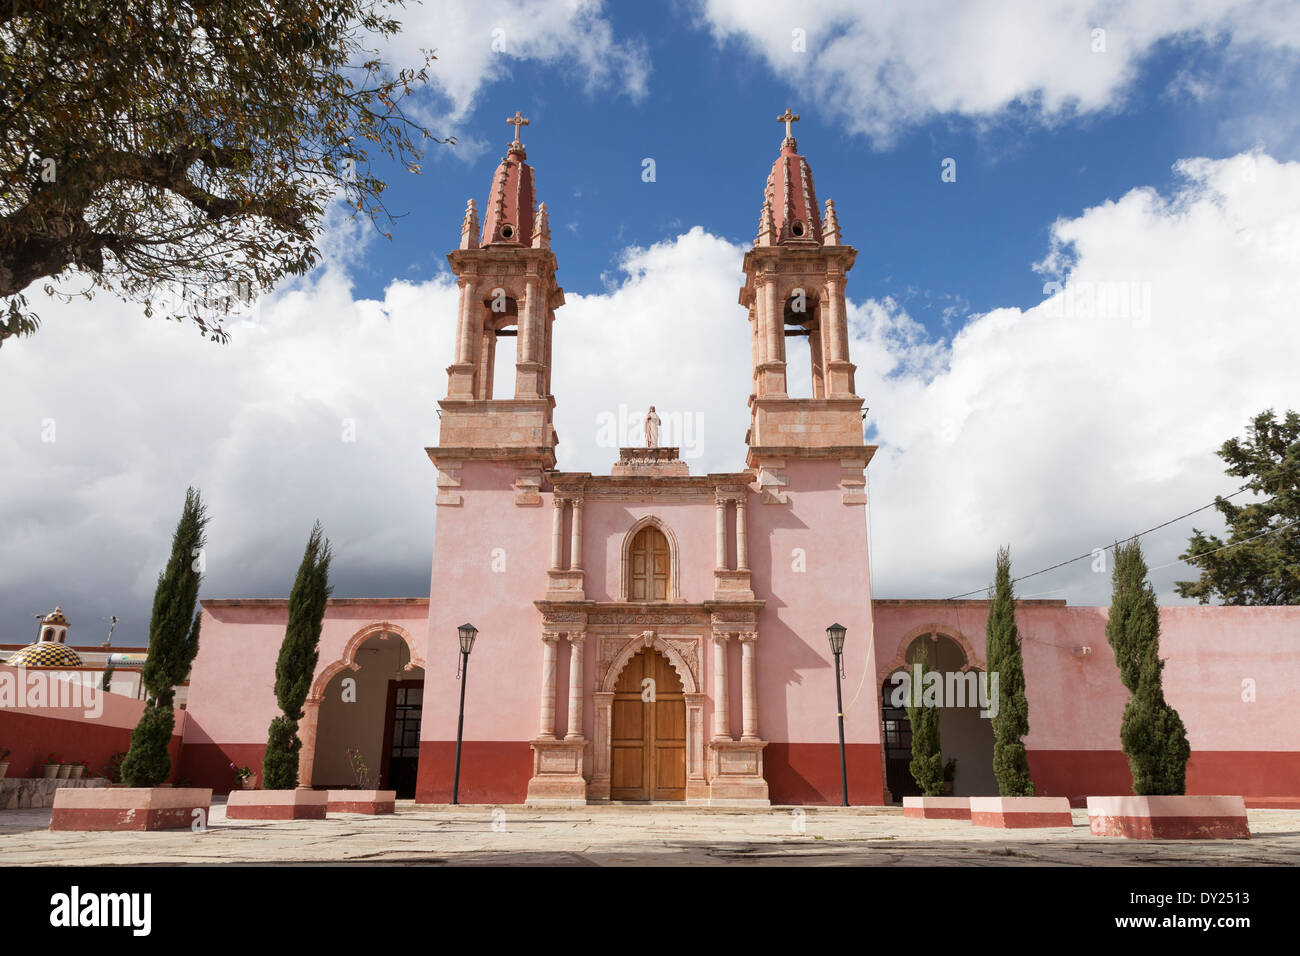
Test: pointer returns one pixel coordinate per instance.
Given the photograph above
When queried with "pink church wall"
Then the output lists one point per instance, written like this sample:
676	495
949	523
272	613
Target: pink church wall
232	683
93	734
1076	703
492	589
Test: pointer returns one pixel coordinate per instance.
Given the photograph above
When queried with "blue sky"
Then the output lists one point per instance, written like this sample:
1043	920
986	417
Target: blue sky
1166	162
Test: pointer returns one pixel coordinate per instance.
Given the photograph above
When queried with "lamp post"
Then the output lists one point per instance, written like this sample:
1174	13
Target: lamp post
835	634
467	635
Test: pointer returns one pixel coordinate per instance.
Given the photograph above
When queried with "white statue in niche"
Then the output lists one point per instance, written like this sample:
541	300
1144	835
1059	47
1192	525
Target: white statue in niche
651	428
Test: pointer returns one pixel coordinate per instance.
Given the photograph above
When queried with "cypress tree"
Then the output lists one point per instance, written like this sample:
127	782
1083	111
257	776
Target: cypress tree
297	662
927	758
1011	722
173	642
1152	733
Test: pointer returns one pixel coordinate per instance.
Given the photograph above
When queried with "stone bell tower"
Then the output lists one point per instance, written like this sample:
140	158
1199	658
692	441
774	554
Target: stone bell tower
794	286
508	293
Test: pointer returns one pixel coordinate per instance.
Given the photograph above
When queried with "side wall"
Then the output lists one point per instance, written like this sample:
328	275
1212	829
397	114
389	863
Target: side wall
1214	656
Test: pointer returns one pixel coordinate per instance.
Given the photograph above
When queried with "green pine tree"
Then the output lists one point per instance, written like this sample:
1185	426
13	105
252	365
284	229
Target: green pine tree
1262	564
1011	723
297	663
173	642
1152	733
927	757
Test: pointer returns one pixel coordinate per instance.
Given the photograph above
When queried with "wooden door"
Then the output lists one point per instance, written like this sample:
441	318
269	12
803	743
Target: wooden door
401	758
648	566
648	737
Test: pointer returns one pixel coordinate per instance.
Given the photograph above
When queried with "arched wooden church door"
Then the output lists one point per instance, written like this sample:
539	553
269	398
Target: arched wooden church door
648	737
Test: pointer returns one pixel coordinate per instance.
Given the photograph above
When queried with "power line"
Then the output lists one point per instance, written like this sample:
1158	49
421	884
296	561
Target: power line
1092	553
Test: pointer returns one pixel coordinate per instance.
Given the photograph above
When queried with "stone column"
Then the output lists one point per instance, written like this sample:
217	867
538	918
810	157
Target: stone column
742	536
527	332
576	641
835	330
575	546
775	323
547	728
307	732
749	689
721	712
465	338
557	531
722	532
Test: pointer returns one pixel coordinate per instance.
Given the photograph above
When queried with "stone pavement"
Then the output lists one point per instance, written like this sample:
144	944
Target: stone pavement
622	835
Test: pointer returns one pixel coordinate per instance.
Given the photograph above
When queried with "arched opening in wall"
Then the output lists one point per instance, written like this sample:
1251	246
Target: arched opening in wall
649	566
965	738
499	352
802	326
648	731
370	718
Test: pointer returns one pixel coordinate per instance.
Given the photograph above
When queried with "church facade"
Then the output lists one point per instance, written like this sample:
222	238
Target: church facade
656	635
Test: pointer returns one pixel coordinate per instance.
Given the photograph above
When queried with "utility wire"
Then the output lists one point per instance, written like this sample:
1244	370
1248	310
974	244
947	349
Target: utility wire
1108	547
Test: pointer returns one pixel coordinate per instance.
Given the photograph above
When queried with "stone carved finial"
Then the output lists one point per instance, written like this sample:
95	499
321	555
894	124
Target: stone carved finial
766	227
831	225
542	229
469	227
787	118
517	121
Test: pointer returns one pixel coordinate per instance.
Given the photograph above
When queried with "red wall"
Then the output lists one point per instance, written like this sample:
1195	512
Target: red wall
32	736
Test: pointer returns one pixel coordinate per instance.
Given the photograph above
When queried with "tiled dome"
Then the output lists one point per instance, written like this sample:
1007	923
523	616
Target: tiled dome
45	654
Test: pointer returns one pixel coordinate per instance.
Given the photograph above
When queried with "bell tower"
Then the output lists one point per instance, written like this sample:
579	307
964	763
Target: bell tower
508	294
794	286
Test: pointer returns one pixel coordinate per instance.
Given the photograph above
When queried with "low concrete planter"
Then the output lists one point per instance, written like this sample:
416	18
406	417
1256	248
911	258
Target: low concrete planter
128	808
1169	818
936	808
373	802
276	805
1020	812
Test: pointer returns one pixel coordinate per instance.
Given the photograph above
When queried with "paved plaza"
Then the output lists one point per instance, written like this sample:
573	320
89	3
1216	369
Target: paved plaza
624	835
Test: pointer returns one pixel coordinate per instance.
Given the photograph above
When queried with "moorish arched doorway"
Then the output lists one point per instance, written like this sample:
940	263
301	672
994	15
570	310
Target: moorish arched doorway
964	736
648	731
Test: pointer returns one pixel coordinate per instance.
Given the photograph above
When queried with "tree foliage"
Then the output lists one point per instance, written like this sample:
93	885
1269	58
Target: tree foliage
1005	658
297	662
1152	734
927	757
182	154
1256	565
173	642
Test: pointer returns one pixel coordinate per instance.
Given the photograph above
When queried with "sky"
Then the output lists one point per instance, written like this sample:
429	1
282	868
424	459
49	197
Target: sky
1052	343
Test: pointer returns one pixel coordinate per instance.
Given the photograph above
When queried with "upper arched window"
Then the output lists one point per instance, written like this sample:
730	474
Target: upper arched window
649	566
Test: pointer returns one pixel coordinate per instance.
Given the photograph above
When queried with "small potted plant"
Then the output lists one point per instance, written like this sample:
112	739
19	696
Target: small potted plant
244	777
53	766
78	768
949	773
4	761
360	772
113	769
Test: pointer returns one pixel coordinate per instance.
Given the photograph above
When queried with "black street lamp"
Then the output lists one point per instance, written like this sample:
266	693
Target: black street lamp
835	634
467	634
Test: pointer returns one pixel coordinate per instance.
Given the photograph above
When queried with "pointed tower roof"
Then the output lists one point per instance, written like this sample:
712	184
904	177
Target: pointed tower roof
510	211
789	197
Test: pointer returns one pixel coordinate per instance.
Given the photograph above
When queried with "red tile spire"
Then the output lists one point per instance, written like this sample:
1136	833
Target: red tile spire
511	209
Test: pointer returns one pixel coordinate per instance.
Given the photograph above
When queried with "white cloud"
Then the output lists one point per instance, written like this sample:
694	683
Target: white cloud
883	66
1048	428
478	42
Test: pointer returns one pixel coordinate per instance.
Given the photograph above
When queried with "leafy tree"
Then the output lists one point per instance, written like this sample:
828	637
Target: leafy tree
182	154
927	758
1260	566
1005	658
1152	733
173	642
297	662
